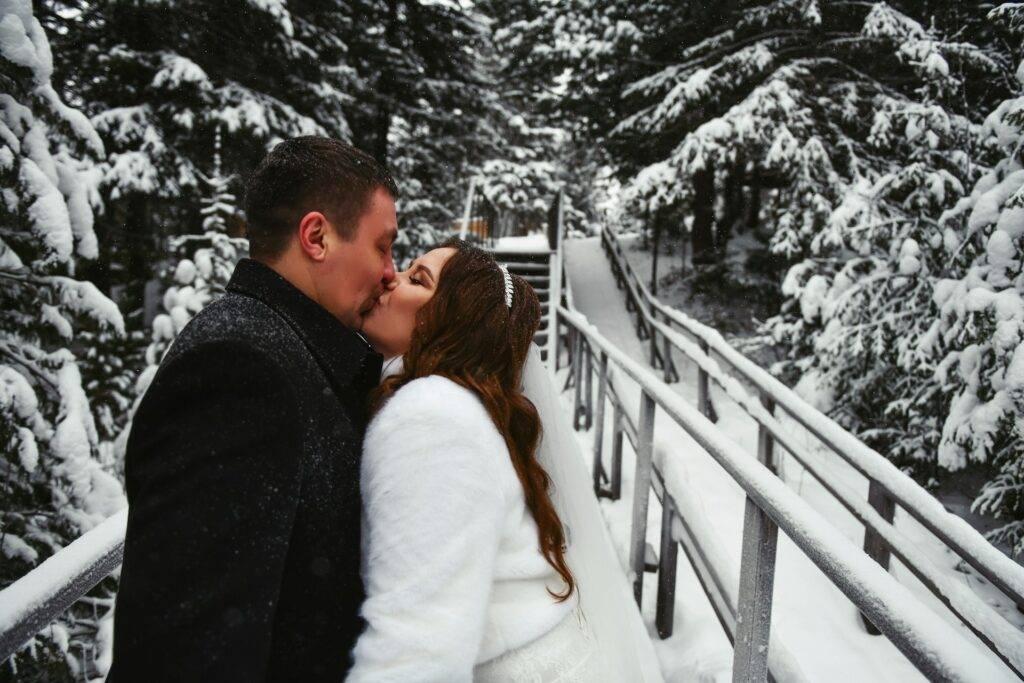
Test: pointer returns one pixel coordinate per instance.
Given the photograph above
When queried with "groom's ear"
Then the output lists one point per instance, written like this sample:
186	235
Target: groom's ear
312	229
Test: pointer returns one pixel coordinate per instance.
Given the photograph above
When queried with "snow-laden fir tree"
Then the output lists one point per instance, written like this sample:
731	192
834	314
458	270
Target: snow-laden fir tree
158	78
977	339
420	103
205	262
53	486
851	130
841	132
858	310
520	179
534	155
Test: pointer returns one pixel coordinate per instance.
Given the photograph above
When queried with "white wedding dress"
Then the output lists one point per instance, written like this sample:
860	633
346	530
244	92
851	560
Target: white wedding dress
566	654
607	640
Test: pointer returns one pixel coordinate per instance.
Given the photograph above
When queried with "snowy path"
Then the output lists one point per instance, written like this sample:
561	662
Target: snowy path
812	619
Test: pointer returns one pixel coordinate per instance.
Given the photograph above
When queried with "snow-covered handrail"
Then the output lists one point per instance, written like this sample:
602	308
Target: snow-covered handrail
39	597
991	628
935	647
677	532
955	532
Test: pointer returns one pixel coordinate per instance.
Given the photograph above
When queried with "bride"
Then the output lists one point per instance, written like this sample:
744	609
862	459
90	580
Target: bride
468	570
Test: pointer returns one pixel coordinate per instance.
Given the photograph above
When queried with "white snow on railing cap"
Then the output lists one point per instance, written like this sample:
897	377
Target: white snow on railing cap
876	466
934	646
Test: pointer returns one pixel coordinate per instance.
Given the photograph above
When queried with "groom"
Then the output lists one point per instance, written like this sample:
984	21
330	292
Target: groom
241	561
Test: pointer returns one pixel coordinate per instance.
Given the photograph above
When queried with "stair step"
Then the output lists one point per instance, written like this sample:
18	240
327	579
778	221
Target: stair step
518	267
522	256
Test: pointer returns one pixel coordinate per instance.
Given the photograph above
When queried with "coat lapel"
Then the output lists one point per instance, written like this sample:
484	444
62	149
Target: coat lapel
350	363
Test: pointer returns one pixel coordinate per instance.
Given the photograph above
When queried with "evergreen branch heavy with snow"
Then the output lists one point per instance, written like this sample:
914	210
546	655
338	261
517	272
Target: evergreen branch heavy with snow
58	479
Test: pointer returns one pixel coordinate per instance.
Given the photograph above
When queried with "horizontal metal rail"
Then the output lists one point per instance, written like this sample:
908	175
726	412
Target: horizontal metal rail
888	484
46	592
936	648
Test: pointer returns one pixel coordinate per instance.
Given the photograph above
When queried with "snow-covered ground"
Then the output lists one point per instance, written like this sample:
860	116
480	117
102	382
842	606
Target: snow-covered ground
535	243
812	619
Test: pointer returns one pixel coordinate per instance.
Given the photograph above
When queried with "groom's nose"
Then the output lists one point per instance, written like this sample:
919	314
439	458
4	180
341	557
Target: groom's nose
387	278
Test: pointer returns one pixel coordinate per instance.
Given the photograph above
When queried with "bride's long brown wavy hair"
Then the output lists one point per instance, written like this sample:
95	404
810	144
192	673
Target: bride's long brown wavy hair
467	334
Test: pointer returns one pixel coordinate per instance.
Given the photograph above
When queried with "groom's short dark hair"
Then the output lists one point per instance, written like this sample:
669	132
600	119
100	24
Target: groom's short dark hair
306	174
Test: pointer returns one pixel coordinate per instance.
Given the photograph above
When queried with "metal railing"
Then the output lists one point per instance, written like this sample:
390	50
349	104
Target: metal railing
46	592
935	647
888	487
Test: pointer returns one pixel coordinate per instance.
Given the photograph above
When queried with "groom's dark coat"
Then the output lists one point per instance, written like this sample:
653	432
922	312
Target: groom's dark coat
241	561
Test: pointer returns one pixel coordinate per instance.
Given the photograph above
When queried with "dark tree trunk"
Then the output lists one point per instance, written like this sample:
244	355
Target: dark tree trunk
730	214
386	88
753	206
380	138
703	236
659	219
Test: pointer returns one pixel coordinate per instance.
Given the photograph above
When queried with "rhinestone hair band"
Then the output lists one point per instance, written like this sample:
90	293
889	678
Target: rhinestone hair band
508	285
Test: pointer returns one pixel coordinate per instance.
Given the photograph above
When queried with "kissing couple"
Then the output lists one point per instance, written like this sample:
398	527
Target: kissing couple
302	510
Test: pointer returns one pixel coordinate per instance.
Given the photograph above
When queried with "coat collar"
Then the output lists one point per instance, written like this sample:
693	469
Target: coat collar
351	364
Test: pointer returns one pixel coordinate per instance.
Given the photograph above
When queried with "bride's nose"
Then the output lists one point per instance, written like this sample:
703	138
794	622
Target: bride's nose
401	278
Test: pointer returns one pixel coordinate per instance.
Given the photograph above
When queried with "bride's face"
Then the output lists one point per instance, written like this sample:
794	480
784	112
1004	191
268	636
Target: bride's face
389	325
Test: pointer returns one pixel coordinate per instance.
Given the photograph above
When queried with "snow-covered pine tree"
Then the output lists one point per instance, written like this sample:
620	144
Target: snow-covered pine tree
846	129
53	486
860	317
857	126
518	179
205	262
159	77
420	104
976	341
536	154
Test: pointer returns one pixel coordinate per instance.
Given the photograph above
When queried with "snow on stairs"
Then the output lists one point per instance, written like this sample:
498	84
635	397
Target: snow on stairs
535	268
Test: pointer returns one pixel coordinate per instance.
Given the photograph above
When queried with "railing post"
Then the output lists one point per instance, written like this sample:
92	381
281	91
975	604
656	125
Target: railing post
667	556
570	348
874	546
757	579
602	379
765	441
703	387
617	436
641	493
570	356
577	370
653	346
588	357
666	357
556	330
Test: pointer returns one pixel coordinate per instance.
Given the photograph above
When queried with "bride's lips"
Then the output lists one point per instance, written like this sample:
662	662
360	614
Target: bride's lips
370	306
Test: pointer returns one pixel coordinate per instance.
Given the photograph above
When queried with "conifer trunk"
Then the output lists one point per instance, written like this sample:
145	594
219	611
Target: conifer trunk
703	237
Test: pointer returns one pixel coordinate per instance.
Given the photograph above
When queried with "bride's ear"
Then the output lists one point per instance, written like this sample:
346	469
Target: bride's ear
313	229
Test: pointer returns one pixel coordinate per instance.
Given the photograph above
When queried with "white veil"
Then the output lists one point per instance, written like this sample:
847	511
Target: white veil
606	598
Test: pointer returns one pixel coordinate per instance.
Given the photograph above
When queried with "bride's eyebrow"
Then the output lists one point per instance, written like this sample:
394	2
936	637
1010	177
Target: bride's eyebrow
429	272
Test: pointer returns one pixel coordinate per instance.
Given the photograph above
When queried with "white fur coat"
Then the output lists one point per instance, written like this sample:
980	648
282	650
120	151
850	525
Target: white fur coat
453	573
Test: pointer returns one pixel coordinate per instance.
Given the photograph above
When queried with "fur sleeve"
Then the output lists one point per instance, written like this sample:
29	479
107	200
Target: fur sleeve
433	509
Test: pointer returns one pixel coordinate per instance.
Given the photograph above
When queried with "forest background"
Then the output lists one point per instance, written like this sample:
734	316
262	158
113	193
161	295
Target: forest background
852	167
